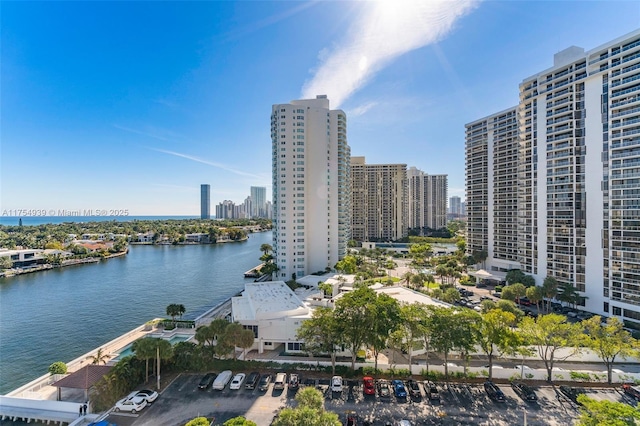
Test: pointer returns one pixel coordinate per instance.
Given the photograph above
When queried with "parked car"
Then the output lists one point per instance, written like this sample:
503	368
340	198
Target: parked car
132	404
236	383
571	393
398	389
525	392
524	301
280	381
632	391
252	380
265	381
336	384
368	386
148	394
493	391
431	390
221	381
207	380
383	389
294	381
414	389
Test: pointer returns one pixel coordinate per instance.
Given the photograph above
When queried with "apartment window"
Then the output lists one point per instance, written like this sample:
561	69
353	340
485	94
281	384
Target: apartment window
606	307
617	311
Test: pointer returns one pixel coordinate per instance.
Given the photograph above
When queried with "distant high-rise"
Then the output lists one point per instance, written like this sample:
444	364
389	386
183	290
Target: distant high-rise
427	200
379	201
552	184
259	201
205	201
455	207
311	186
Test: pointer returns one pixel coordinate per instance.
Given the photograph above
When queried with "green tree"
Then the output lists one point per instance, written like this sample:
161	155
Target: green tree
310	411
145	349
567	293
550	333
496	334
100	357
174	310
58	367
326	288
310	397
535	295
509	306
239	421
409	326
549	289
451	295
198	421
508	293
609	340
452	330
347	265
164	351
5	262
354	317
519	290
607	413
321	334
514	276
387	314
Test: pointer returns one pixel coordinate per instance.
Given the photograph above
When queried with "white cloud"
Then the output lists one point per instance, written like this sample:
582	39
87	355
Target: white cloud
386	30
361	109
209	163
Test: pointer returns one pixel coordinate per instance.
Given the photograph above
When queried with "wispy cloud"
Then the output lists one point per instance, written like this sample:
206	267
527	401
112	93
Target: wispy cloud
362	109
152	132
209	163
386	30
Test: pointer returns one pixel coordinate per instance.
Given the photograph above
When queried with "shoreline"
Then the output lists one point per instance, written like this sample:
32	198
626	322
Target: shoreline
48	266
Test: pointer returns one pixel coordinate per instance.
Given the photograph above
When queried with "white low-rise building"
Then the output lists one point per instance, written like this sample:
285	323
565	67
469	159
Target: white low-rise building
274	313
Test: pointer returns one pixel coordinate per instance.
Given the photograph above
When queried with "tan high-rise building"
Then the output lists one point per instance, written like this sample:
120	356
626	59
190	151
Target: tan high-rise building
427	200
379	199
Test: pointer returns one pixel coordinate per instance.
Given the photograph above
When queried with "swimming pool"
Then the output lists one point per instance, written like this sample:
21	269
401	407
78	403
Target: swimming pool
173	339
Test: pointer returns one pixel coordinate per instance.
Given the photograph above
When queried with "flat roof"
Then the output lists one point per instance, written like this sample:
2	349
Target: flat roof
408	296
265	300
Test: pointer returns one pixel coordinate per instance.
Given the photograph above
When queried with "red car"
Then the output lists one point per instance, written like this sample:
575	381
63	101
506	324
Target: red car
368	386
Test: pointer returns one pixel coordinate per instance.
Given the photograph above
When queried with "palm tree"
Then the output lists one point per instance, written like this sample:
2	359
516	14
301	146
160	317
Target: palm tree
145	349
100	357
175	310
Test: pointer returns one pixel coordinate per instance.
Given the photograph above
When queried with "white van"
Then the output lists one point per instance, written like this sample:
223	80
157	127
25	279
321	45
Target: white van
221	381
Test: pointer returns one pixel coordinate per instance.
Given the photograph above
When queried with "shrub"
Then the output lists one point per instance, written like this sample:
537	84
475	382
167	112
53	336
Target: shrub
370	371
498	288
576	375
514	377
400	372
529	376
58	367
484	373
431	375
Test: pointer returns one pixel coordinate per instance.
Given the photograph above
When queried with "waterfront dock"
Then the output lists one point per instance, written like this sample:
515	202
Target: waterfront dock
254	272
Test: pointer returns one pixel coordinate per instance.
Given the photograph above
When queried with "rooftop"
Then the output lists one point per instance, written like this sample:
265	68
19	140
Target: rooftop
267	300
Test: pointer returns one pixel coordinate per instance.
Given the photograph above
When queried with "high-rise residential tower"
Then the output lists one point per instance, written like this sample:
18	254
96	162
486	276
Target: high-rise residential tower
259	201
577	166
205	201
427	200
311	186
455	207
379	201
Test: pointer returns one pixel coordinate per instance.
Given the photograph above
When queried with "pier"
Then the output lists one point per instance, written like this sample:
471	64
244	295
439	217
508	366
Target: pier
254	272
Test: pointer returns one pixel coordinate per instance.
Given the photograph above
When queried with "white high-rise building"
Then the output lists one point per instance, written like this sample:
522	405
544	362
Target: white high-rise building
577	190
311	186
427	195
379	201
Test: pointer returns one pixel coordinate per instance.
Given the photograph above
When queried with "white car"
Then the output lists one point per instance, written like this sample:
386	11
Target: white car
132	404
148	394
236	383
336	384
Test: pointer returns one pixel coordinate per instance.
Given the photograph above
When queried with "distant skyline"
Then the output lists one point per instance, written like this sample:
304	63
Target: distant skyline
133	105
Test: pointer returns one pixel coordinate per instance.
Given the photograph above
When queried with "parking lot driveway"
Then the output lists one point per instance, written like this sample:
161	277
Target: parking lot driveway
181	401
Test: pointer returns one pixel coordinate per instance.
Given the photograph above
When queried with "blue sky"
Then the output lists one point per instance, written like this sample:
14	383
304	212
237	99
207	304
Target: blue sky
132	105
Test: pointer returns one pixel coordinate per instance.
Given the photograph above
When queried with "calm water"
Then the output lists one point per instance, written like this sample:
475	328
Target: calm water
59	315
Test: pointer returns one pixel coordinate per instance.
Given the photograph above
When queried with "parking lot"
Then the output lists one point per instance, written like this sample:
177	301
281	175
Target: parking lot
459	404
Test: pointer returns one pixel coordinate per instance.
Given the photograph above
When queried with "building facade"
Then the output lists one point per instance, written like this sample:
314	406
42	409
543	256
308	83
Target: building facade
311	186
205	201
455	208
427	200
578	177
379	201
258	201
